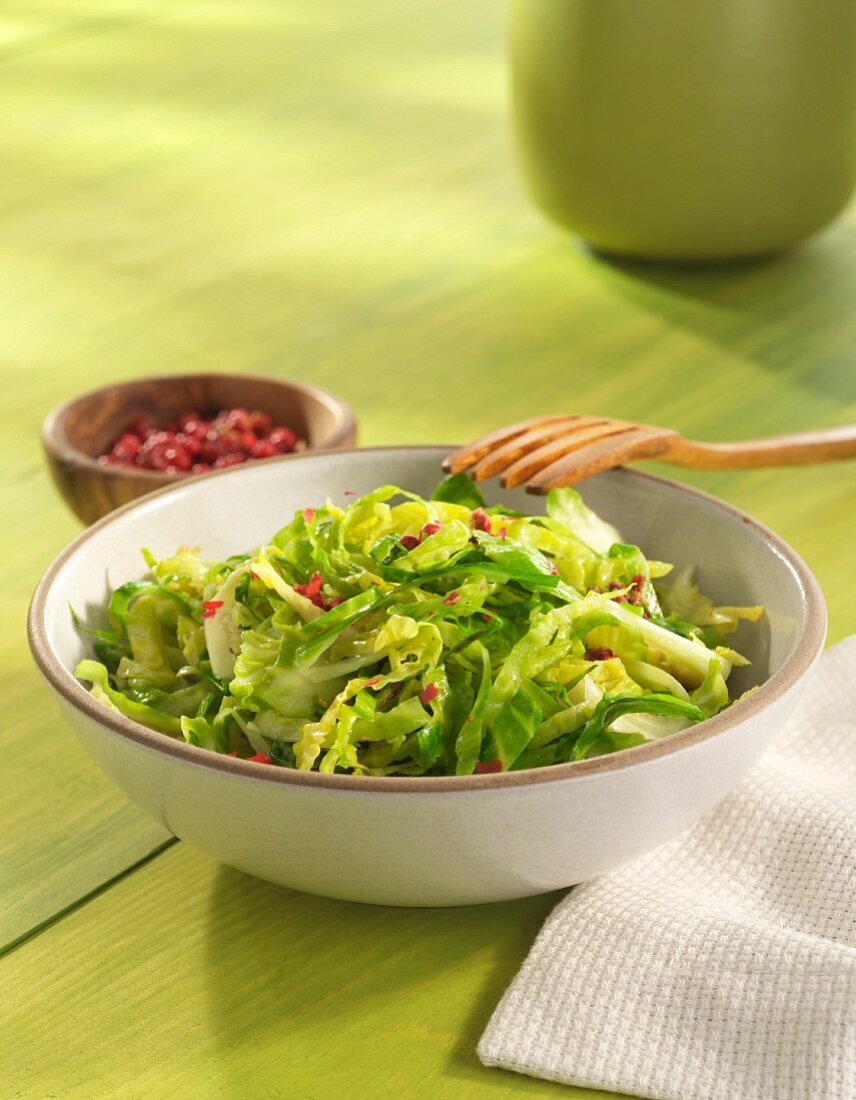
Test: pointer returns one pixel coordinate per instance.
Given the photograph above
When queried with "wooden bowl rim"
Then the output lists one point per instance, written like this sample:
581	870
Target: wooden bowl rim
58	445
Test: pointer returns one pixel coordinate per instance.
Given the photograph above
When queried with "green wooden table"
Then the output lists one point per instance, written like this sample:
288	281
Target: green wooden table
324	191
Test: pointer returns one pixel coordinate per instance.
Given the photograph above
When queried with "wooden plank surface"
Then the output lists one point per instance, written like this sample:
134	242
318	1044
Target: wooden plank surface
189	979
324	191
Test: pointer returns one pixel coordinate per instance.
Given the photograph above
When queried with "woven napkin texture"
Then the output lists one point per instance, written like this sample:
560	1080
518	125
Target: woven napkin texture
721	966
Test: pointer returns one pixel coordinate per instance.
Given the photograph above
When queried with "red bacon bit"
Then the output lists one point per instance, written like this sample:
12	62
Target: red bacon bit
553	570
311	589
375	680
503	533
481	520
350	492
410	542
231	754
428	694
210	608
312	592
308	514
636	586
453	597
599	655
488	767
259	758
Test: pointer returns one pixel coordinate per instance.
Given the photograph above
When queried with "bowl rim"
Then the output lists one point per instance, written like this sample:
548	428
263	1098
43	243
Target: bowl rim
57	443
807	648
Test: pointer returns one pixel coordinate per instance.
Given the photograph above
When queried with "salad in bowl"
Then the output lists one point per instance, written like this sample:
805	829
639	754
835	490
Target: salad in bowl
399	635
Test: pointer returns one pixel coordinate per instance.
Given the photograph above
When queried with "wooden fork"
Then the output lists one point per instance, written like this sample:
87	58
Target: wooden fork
550	451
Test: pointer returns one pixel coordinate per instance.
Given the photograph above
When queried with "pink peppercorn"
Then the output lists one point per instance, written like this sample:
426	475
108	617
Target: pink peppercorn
193	444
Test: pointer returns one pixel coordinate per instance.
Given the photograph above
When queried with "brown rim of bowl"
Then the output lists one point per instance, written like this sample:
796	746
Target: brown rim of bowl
53	430
807	648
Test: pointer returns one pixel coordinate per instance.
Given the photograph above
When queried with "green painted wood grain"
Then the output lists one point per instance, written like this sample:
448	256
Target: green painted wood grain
324	191
188	979
64	830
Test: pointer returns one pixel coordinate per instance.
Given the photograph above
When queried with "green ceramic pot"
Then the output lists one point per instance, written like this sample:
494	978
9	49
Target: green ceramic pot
687	129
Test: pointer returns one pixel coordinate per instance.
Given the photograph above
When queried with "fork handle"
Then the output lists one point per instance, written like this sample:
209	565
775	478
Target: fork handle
778	450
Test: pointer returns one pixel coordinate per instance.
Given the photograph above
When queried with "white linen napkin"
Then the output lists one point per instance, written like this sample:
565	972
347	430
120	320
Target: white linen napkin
721	966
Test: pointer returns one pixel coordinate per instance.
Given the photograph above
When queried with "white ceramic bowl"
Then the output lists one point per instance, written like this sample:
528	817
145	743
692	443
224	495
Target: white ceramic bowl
432	840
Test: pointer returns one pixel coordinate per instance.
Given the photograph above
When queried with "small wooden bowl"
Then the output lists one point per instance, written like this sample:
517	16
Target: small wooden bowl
75	434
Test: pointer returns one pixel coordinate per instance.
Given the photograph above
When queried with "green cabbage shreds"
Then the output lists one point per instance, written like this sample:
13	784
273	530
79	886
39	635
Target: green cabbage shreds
403	636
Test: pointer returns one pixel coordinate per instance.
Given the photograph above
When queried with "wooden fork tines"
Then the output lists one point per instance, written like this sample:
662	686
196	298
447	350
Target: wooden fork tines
550	451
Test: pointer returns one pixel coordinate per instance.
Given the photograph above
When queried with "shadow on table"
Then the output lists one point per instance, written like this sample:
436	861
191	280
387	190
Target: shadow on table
786	313
313	977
